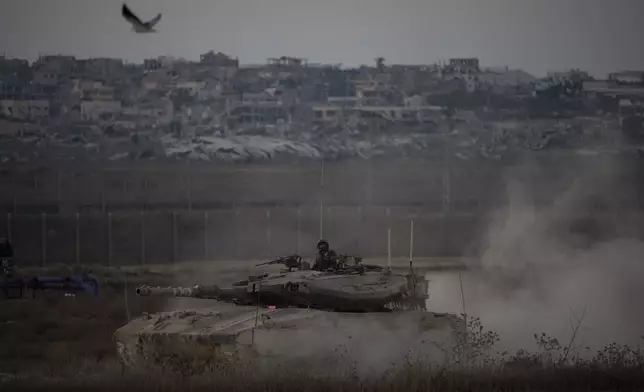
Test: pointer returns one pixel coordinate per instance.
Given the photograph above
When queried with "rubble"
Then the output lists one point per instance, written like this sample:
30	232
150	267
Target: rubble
467	140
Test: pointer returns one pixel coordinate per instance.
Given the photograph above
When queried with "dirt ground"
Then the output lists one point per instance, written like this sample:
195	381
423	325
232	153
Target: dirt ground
57	334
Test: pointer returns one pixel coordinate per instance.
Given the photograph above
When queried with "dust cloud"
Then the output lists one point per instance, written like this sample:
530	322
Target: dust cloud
544	267
539	274
361	344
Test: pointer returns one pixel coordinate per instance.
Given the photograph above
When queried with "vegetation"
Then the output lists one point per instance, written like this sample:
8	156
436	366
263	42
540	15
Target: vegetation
54	342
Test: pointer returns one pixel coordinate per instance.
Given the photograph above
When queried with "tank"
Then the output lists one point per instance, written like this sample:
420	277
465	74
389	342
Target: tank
293	314
349	287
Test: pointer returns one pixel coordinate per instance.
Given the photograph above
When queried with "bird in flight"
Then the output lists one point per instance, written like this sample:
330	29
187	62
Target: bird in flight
137	25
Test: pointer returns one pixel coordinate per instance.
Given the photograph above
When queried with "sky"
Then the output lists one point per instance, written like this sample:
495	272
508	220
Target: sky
535	35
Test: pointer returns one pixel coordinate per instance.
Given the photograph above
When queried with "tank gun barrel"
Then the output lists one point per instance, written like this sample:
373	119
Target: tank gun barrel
145	291
232	294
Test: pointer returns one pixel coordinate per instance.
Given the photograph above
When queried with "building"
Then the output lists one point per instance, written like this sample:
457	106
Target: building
25	109
471	82
416	112
152	64
463	65
627	77
415	101
104	68
49	70
372	92
92	90
95	110
286	61
573	75
155	80
13	90
506	81
191	88
158	112
218	60
260	98
327	113
46	76
343	102
57	63
13	68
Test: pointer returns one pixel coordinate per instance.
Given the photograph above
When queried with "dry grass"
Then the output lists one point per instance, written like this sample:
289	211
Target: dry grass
55	343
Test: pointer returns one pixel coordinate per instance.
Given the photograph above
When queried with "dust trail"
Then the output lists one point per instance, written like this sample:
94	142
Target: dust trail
537	274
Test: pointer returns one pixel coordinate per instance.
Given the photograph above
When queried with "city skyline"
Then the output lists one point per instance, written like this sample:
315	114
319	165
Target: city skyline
536	36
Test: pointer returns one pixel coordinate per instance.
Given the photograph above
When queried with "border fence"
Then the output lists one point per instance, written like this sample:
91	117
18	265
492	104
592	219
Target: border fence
159	213
128	238
159	237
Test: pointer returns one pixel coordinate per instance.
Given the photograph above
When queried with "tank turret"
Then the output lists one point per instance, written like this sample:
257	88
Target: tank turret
349	287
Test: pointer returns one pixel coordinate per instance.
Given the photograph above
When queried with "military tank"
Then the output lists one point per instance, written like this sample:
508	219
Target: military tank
297	312
349	286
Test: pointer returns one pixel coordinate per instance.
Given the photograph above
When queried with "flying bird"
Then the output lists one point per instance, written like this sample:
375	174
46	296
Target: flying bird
137	25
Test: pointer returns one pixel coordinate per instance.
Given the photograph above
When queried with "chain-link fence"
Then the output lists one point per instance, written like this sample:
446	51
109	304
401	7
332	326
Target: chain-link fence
125	238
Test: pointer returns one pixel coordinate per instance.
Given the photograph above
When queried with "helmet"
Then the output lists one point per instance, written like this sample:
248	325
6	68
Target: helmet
323	245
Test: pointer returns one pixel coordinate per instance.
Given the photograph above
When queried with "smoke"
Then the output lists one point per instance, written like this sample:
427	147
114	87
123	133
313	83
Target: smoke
545	266
362	344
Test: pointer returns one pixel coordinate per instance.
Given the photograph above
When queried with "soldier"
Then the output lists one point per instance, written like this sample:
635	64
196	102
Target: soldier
325	258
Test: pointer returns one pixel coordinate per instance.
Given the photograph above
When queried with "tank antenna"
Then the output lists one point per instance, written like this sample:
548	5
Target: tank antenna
389	249
259	283
411	242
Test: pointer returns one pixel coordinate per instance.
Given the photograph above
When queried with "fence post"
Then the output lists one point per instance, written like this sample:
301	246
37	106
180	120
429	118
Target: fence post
321	221
102	192
411	240
125	295
147	194
174	237
299	229
359	231
142	237
9	226
14	199
268	232
43	234
189	193
58	187
236	234
109	238
205	235
389	249
77	238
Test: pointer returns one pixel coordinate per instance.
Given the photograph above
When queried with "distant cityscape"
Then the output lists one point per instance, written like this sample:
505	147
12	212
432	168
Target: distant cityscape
61	107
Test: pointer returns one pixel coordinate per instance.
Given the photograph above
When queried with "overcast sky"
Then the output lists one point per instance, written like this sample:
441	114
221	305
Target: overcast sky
536	35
